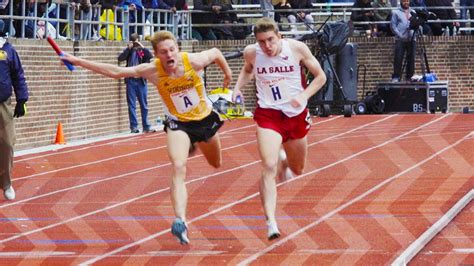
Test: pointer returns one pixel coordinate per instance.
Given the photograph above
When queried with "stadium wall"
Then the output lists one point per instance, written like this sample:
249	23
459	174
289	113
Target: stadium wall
90	105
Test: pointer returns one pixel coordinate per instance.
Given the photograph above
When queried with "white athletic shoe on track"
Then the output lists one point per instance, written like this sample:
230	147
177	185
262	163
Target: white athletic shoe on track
273	232
285	172
9	193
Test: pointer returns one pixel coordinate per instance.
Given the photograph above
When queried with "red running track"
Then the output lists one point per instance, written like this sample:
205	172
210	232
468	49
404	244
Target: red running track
372	186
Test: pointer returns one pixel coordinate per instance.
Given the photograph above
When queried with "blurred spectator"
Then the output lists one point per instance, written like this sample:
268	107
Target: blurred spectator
83	11
364	16
224	32
221	13
383	15
107	29
281	5
12	80
236	32
171	5
447	13
216	7
299	16
32	30
108	4
249	2
464	10
137	88
135	15
160	17
4	10
420	5
182	17
404	41
267	7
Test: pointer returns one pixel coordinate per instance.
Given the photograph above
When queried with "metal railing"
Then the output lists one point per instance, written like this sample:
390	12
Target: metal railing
70	23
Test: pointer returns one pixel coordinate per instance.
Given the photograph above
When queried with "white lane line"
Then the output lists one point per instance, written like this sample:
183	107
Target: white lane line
102	160
406	256
464	250
87	164
347	204
149	194
167	253
118	250
119	204
123	138
123	175
35	254
16	202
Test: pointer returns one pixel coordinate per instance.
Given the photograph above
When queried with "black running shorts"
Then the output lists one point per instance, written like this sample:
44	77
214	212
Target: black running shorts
197	131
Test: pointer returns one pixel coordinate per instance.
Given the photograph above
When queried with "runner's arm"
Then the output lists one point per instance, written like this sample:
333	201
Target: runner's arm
312	64
202	59
246	74
109	70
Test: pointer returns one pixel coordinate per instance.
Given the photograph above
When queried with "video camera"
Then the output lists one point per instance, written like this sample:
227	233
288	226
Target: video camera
419	17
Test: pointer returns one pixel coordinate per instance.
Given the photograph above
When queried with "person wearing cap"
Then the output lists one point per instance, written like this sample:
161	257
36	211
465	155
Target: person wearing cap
11	79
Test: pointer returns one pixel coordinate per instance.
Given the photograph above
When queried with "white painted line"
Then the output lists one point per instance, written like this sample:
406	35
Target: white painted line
96	161
124	202
52	147
143	240
166	189
429	234
35	254
87	164
124	137
118	204
17	202
464	250
167	253
347	204
337	251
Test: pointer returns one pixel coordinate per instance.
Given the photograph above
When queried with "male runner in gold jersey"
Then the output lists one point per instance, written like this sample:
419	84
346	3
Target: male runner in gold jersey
190	118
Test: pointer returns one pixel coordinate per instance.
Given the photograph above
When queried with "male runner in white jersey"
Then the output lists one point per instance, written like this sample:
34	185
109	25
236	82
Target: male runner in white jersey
191	119
281	114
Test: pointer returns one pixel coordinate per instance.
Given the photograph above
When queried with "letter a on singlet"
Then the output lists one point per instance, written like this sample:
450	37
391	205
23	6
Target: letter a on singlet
187	102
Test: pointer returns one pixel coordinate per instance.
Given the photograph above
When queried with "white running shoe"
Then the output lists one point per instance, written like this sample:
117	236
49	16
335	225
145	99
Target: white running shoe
285	172
273	232
9	193
282	155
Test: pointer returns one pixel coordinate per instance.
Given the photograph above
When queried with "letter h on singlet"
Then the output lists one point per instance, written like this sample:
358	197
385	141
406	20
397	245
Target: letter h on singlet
276	93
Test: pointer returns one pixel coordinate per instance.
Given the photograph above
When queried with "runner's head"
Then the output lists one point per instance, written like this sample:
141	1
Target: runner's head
166	49
267	35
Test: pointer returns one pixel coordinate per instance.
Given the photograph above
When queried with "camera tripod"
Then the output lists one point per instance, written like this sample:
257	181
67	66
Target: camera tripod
417	41
319	102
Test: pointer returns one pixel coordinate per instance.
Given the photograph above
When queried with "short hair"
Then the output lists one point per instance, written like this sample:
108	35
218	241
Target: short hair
265	24
160	36
134	37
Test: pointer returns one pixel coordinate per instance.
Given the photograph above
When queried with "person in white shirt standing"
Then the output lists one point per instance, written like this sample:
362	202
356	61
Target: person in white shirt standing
282	118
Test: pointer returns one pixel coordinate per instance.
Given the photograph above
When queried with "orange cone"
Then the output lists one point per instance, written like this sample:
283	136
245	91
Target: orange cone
60	135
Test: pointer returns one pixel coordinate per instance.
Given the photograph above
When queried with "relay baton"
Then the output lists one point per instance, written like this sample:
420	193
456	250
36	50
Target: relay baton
59	52
238	99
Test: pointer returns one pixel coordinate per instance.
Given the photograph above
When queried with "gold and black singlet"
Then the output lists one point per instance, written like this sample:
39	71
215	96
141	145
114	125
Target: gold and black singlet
184	97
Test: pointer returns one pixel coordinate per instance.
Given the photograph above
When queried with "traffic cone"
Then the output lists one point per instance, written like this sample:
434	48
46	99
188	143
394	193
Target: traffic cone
59	135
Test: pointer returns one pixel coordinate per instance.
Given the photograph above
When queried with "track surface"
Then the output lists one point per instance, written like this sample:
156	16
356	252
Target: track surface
372	185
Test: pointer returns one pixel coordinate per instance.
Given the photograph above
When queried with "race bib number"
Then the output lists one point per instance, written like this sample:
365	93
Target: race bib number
184	101
277	92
